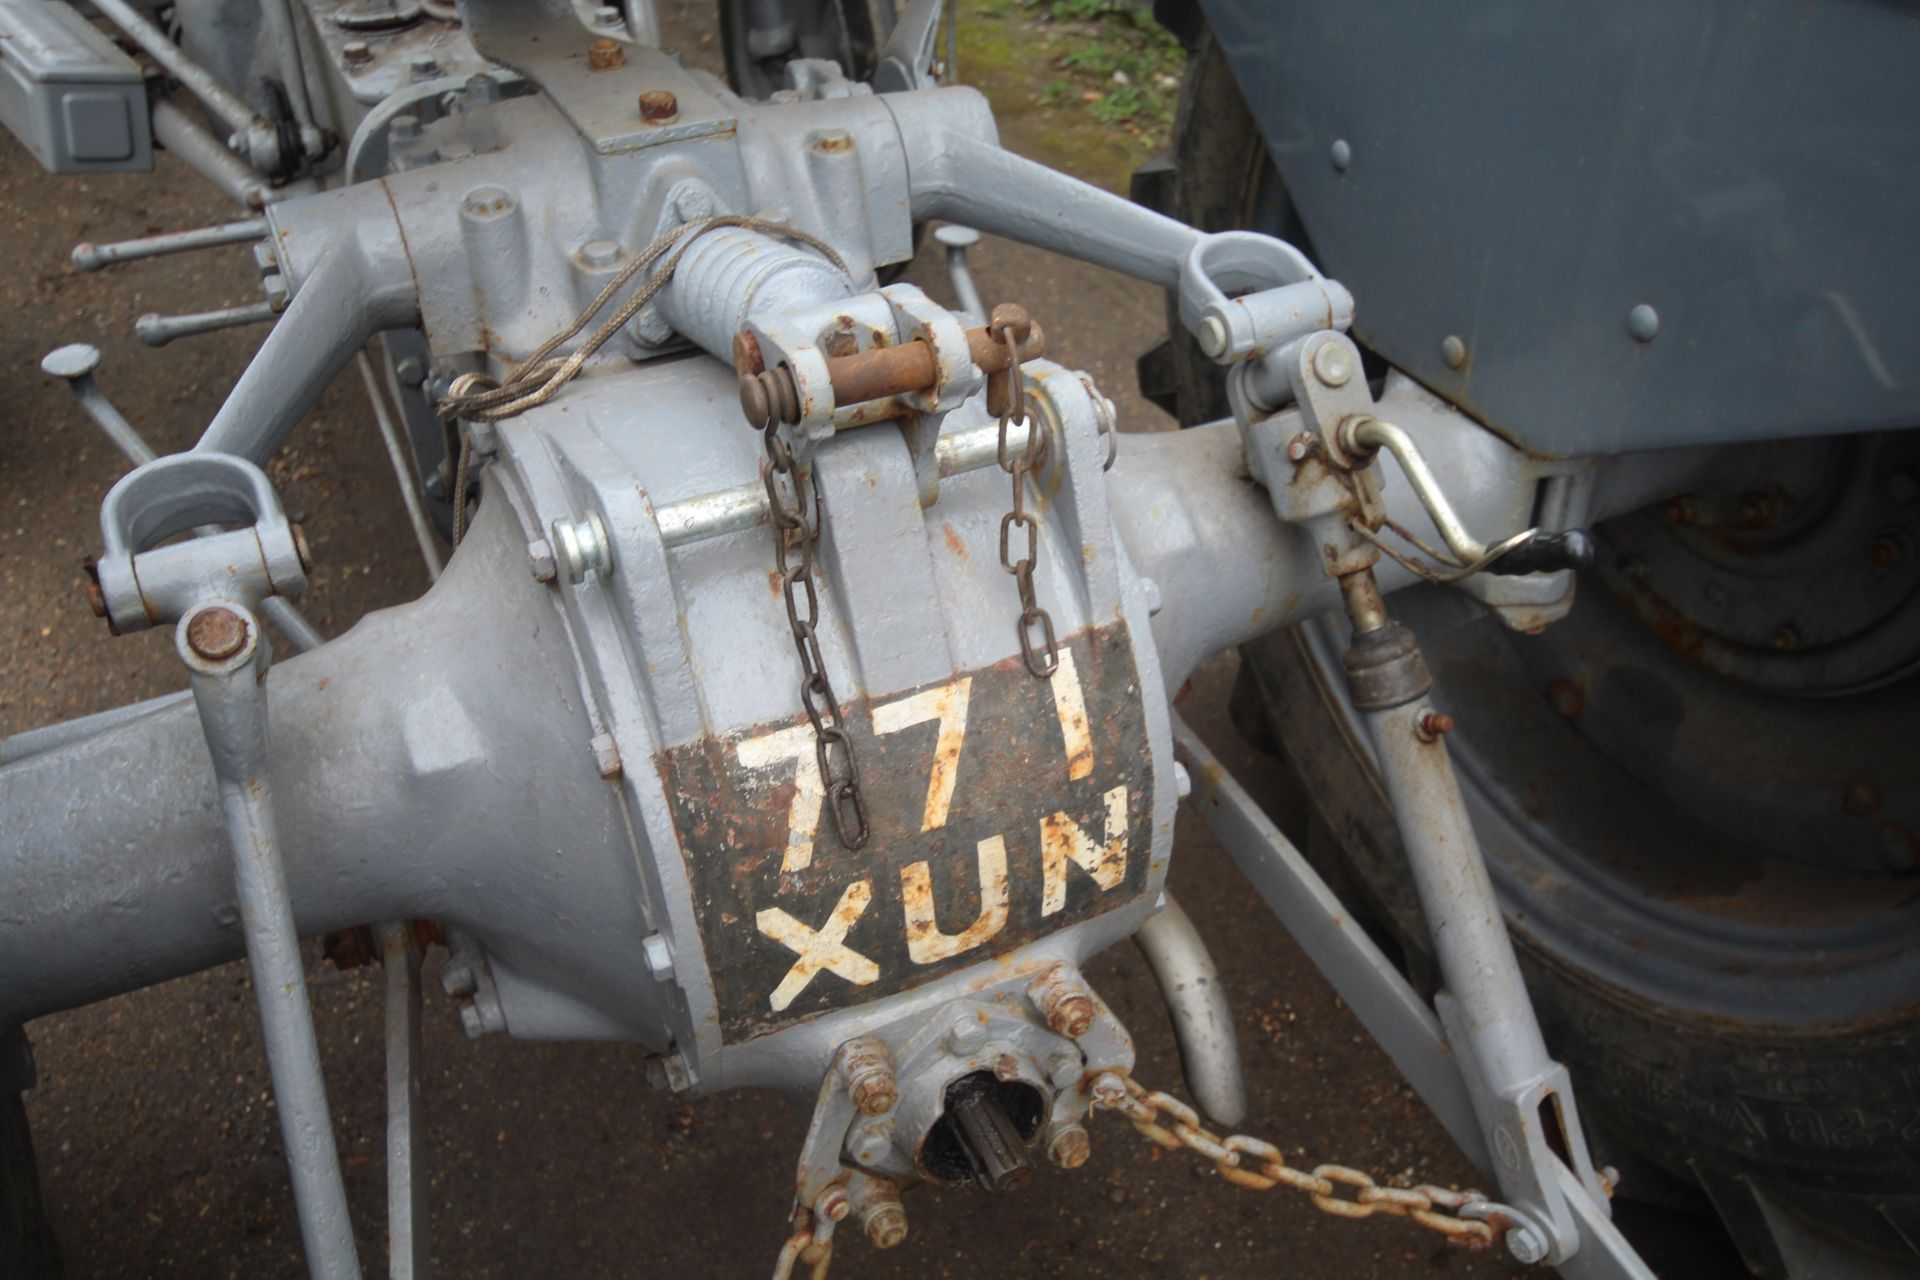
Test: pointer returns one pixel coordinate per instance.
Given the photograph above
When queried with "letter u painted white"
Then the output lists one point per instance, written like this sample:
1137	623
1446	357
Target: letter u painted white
925	943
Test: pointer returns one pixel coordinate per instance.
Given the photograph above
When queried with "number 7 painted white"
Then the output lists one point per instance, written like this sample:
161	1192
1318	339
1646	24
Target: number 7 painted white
803	812
946	703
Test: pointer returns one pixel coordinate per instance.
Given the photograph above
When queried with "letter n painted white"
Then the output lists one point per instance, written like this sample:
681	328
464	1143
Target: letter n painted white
1062	841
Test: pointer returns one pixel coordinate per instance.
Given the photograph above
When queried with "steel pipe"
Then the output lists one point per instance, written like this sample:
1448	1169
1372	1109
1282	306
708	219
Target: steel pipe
1202	1020
745	506
229	692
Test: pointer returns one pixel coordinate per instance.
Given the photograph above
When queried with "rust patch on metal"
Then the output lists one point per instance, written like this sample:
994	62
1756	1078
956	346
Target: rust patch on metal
984	838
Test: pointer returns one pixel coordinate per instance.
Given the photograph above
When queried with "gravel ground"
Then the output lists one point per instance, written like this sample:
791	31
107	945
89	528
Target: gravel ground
153	1116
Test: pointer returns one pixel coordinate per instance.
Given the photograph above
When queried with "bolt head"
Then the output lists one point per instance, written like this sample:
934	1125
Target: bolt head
875	1093
604	55
834	1204
659	957
1341	154
1333	363
955	236
1070	1147
1454	351
606	755
1526	1245
1212	337
659	106
1071	1017
1643	323
600	253
871	1148
1300	447
424	67
606	16
357	53
216	633
887	1226
540	560
966	1034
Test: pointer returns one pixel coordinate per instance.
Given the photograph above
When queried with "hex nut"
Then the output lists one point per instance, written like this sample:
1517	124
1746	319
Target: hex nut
540	560
1525	1244
606	755
605	55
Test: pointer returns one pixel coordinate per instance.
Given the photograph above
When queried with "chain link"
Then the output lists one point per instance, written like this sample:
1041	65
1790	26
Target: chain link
794	499
1250	1162
1043	657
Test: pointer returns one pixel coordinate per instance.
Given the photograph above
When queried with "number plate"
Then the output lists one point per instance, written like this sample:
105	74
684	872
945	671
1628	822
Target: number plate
1003	808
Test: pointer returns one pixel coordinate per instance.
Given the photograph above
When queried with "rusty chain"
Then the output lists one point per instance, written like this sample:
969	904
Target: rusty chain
803	1246
1250	1162
1042	660
793	496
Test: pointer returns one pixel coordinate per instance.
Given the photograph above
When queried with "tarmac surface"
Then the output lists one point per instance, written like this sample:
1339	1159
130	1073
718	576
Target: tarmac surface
153	1115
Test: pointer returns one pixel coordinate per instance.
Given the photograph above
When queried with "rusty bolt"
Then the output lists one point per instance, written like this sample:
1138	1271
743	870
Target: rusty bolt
1067	1008
357	53
1300	446
1070	1147
606	755
1567	697
1434	725
833	1203
1860	799
301	549
886	1224
875	1094
1071	1017
659	106
605	55
866	1065
217	633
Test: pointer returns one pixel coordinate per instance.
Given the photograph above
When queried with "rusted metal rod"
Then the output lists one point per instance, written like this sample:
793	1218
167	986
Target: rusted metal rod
878	374
910	366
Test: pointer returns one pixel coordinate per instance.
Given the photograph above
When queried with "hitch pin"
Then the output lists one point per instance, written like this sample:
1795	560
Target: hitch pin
92	257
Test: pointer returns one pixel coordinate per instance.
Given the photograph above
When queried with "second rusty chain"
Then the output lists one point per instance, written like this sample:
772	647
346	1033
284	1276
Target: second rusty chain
1171	1123
1007	396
